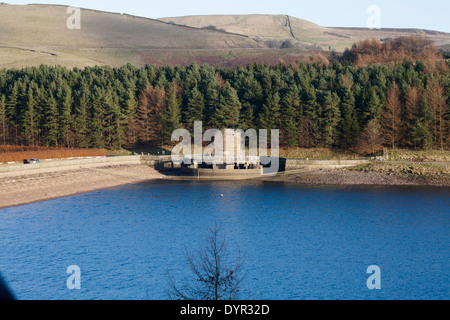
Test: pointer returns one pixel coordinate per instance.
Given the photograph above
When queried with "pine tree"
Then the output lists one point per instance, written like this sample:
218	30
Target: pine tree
228	110
29	124
422	132
81	117
51	121
172	116
270	117
249	89
309	132
246	117
330	118
130	115
411	112
195	108
97	119
212	98
65	102
290	115
12	111
3	120
372	106
348	128
114	119
143	117
40	116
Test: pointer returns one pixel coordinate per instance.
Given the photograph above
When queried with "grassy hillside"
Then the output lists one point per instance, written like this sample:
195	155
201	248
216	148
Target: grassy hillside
35	34
45	25
302	33
264	27
31	35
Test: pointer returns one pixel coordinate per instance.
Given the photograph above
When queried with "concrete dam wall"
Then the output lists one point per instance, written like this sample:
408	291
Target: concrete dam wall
285	165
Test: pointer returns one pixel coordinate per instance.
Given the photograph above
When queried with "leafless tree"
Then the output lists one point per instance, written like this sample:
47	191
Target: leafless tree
391	121
215	275
370	140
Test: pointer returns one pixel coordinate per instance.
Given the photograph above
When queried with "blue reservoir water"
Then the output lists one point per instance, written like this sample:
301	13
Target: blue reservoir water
299	242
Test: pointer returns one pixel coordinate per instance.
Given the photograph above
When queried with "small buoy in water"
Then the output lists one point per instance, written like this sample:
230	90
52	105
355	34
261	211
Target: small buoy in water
221	195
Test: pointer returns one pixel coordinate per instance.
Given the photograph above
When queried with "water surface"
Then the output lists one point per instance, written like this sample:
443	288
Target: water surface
300	242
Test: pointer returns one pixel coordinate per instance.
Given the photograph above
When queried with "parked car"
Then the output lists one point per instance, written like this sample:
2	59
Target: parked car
34	160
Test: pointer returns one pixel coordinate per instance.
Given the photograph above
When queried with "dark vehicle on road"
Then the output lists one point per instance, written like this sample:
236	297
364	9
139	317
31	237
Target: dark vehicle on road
33	160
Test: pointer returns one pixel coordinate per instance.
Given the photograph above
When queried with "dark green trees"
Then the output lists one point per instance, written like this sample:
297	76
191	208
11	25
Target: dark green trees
172	114
29	115
49	106
195	107
3	120
291	114
348	128
329	119
313	105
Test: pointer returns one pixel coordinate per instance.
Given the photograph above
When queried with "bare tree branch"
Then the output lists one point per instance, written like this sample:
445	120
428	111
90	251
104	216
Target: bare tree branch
215	275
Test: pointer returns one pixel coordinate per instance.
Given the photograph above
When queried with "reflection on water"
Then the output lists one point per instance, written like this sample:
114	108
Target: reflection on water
300	242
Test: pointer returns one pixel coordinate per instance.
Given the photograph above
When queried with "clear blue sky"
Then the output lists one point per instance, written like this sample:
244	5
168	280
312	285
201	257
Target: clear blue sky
431	14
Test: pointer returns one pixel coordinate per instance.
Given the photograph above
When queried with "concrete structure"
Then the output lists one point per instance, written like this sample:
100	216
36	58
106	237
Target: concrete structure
204	171
225	161
244	170
164	164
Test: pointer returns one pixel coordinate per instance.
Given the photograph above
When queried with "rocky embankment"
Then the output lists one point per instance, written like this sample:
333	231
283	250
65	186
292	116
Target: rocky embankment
376	173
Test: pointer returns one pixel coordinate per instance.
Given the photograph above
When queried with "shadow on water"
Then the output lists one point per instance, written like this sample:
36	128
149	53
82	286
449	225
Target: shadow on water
5	292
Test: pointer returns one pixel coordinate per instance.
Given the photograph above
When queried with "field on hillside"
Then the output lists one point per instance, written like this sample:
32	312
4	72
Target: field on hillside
31	35
301	33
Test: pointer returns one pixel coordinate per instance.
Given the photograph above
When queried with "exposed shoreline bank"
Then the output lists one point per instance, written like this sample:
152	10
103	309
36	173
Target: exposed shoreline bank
345	177
23	187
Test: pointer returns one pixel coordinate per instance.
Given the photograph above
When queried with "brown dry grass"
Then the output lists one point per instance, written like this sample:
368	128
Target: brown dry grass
20	153
419	155
275	27
318	154
37	34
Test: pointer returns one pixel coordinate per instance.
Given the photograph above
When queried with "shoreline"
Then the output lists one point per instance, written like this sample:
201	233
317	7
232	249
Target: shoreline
66	195
345	177
21	188
26	187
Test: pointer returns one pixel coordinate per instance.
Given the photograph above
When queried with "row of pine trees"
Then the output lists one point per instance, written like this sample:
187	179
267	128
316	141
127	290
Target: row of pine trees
313	105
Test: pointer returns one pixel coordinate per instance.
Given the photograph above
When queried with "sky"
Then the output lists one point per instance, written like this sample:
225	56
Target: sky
431	14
